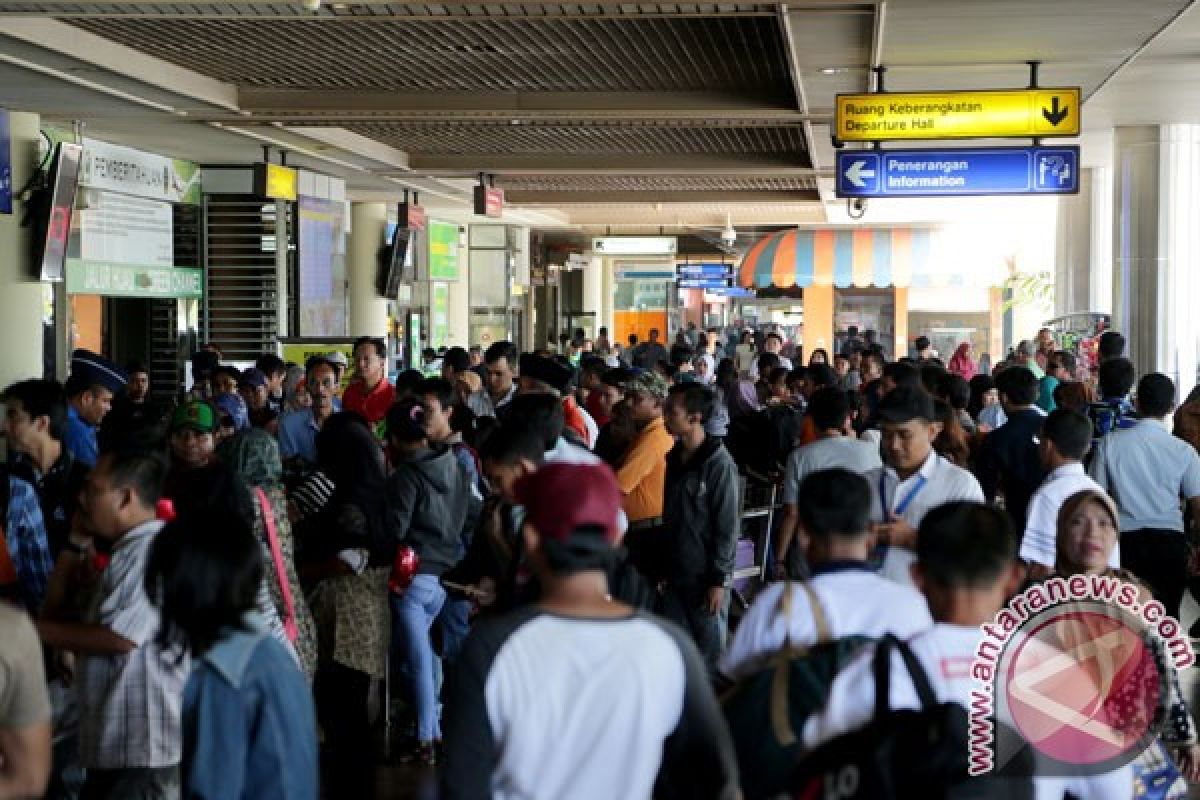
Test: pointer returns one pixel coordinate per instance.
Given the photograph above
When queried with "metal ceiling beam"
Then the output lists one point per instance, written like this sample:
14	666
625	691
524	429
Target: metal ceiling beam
559	199
851	6
298	102
468	166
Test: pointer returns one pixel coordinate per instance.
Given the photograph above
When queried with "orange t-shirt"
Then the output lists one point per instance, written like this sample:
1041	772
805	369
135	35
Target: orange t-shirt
643	476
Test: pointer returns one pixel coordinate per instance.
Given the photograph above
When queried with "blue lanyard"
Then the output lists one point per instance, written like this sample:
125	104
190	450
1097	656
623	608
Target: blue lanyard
905	502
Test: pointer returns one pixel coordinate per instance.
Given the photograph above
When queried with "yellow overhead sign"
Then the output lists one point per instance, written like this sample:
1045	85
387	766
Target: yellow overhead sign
957	115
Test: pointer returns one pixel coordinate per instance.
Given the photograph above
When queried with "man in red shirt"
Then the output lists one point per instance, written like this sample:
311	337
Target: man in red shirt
370	394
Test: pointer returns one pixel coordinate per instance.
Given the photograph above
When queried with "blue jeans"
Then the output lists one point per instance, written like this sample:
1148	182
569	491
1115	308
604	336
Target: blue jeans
413	614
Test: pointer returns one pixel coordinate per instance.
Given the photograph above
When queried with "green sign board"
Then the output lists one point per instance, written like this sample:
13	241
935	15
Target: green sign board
133	280
439	312
443	251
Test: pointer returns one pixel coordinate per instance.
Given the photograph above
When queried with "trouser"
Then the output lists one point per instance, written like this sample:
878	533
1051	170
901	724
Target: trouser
1160	558
342	695
646	543
66	776
413	614
684	605
454	623
132	783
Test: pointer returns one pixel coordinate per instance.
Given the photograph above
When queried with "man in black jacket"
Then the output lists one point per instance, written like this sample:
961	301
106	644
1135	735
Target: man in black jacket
1008	460
700	519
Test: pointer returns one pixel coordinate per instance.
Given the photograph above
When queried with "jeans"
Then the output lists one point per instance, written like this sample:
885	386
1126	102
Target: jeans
682	605
413	613
454	622
1160	558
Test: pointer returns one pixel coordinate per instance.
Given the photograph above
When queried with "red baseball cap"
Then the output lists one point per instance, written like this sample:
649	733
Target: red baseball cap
561	498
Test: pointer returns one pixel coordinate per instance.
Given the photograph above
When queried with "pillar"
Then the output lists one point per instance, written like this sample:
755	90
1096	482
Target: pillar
1100	288
593	290
900	326
1073	257
459	310
818	319
368	232
1155	244
608	278
20	294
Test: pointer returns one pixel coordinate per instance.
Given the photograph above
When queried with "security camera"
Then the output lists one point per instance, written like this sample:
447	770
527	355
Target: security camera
728	237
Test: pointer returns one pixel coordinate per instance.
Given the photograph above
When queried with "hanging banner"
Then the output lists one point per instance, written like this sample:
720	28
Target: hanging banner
443	251
123	169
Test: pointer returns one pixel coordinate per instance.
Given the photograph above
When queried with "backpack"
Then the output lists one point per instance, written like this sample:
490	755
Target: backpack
767	709
905	753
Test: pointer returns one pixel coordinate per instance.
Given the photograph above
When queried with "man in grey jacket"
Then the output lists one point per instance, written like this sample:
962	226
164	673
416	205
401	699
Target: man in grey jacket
700	519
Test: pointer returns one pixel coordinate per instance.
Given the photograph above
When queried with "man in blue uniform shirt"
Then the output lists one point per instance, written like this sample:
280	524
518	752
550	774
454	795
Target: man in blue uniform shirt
90	389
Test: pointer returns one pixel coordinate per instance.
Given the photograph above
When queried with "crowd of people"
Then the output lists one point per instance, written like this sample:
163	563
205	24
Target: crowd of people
536	552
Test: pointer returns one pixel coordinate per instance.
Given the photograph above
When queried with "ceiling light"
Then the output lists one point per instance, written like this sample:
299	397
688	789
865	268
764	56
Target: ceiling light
514	122
833	70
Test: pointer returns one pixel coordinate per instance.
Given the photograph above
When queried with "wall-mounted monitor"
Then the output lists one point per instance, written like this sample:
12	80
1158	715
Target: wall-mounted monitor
396	264
53	221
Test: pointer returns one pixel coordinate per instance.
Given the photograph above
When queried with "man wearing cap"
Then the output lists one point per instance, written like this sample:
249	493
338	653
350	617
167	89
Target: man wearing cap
619	703
539	374
90	389
132	410
255	388
298	429
914	479
191	437
370	394
643	474
700	519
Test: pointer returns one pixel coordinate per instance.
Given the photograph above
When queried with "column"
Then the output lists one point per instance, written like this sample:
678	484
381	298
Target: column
900	325
608	297
368	232
20	294
1100	284
1073	267
593	290
459	311
818	318
1155	245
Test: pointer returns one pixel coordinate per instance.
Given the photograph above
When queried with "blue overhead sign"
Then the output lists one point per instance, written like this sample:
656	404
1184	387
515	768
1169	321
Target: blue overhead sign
733	291
704	270
958	172
704	283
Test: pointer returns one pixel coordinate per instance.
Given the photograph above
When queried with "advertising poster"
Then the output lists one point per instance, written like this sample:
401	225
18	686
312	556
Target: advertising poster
443	252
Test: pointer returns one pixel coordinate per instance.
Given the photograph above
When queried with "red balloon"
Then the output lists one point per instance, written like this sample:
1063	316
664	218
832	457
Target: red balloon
165	510
404	568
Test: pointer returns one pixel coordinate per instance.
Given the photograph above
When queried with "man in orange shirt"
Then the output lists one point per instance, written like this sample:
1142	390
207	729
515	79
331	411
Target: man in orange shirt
642	476
370	395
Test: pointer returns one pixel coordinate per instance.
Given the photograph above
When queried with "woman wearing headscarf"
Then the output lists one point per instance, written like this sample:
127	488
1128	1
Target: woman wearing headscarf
1088	530
253	455
961	362
345	553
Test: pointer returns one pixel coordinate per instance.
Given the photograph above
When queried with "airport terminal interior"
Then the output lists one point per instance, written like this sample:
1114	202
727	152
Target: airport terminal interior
599	400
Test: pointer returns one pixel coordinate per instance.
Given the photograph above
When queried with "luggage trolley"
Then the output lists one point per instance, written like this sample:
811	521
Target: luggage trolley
759	500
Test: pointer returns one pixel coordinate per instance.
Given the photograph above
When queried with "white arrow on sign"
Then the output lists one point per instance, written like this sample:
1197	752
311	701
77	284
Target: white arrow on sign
856	173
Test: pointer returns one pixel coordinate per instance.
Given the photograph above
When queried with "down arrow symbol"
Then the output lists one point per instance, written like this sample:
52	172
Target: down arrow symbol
1055	114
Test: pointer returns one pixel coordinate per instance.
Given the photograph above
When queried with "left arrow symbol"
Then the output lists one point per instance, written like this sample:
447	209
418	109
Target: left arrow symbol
856	173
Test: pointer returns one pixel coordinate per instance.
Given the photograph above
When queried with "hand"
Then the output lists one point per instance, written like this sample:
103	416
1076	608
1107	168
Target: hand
713	601
1188	760
483	593
897	533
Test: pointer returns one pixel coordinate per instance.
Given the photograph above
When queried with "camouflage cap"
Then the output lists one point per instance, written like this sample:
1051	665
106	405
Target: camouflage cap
649	383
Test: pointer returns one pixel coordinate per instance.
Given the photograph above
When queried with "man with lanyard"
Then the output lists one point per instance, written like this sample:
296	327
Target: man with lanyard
370	394
914	480
93	383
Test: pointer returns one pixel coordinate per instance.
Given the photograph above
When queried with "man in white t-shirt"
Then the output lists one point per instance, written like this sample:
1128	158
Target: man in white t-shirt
580	696
833	508
835	447
915	479
1066	437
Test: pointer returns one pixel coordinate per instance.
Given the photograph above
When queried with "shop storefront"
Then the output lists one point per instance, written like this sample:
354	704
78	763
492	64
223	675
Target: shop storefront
897	282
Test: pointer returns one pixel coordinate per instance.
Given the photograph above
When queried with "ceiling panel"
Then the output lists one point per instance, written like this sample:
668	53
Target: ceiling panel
553	139
377	10
654	183
743	54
